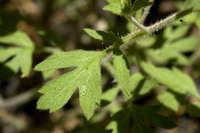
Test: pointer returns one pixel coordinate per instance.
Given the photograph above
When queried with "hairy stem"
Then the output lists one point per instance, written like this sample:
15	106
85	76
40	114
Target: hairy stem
136	23
155	27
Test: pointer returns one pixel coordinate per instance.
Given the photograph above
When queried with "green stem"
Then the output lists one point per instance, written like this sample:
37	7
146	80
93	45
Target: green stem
155	27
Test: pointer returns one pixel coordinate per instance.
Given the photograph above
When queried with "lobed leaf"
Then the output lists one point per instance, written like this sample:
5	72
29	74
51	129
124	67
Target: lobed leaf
174	51
18	38
66	59
21	56
86	77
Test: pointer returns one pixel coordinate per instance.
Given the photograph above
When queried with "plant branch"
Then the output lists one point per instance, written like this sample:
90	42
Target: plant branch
155	27
136	23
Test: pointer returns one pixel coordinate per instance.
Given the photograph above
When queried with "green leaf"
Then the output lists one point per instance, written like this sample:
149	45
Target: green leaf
49	73
103	36
119	124
198	21
114	8
141	128
18	38
149	114
147	86
110	94
193	109
6	53
147	42
86	77
179	32
138	4
184	45
174	48
122	74
188	19
160	120
169	100
174	79
162	57
195	4
125	7
22	54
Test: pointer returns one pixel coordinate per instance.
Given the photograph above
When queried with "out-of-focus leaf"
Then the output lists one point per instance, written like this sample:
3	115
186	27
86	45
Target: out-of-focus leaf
149	114
110	94
194	109
22	54
147	86
120	122
125	7
169	100
195	4
174	79
146	42
172	34
138	4
114	7
141	128
174	51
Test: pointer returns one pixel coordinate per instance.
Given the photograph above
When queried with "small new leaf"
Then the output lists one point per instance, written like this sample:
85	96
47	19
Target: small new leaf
125	7
103	36
113	6
86	77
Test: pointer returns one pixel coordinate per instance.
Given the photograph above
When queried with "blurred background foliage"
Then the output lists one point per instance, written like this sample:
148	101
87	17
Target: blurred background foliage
57	25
